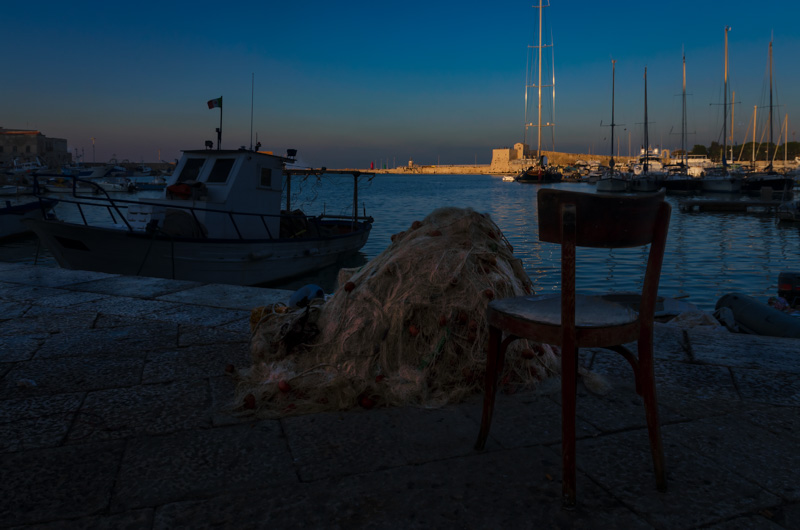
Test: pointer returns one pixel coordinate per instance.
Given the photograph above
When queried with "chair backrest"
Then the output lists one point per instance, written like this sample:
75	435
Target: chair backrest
602	220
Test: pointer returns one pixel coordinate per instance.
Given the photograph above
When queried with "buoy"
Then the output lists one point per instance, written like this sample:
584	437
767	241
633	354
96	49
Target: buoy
305	294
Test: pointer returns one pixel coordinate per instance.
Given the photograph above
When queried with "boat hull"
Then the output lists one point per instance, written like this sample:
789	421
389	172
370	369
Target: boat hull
721	184
11	217
232	261
611	185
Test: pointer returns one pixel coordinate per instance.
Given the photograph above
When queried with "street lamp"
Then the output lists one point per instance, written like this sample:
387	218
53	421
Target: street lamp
92	139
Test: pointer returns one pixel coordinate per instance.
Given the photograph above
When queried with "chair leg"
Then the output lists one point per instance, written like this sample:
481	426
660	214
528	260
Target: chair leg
646	381
495	357
569	391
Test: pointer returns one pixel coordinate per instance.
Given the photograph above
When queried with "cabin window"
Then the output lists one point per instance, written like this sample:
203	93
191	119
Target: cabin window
221	170
191	169
266	177
27	149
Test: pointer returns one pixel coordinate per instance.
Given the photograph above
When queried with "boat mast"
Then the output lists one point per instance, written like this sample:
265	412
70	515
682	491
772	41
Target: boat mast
646	139
753	156
683	117
725	107
613	70
531	81
539	83
769	158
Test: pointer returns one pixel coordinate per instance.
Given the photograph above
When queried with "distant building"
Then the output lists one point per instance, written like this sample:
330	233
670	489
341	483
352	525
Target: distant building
504	159
27	146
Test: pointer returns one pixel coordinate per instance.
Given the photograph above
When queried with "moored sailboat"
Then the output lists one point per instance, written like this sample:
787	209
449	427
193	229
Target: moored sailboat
538	170
721	180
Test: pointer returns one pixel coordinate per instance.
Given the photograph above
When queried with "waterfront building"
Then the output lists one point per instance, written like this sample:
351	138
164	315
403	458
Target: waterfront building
28	145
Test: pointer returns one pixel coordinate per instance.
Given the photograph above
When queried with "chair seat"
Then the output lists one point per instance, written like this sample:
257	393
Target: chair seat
590	311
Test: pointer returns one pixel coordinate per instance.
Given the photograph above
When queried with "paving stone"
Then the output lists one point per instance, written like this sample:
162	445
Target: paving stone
700	490
134	286
71	374
117	342
618	408
520	421
203	463
47	322
193	335
745	450
508	489
50	276
36	422
133	520
332	444
27	294
60	483
229	296
702	381
11	309
783	421
196	362
20	347
130	307
746	351
204	316
747	521
764	386
142	410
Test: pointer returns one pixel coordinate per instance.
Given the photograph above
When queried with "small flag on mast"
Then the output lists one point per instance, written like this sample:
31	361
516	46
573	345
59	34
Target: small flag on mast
215	103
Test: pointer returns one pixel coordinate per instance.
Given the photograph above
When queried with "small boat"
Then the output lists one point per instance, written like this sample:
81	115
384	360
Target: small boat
11	216
219	221
757	318
789	211
508	178
613	182
539	174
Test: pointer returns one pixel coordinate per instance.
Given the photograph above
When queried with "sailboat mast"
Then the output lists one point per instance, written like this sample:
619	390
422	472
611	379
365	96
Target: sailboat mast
683	117
646	139
769	158
725	106
539	87
753	159
613	71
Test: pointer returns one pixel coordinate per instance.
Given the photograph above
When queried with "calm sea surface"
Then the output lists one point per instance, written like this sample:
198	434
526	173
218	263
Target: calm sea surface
708	254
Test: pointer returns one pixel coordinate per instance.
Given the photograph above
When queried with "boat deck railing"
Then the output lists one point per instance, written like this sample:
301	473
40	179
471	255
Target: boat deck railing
102	200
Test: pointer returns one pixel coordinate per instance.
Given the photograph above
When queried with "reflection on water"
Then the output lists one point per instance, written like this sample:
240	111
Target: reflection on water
708	254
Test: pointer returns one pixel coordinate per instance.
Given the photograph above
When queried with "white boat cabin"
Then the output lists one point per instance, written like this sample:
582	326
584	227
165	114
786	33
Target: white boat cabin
228	182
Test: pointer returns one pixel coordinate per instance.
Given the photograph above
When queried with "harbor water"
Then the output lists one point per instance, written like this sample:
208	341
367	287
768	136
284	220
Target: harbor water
708	254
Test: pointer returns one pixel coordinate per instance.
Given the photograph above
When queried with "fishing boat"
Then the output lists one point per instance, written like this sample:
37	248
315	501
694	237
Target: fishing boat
218	221
11	216
538	171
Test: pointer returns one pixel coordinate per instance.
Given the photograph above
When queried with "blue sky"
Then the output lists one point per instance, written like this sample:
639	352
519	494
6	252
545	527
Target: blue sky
353	82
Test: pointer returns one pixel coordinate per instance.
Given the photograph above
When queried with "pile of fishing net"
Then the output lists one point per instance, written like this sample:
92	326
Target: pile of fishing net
408	328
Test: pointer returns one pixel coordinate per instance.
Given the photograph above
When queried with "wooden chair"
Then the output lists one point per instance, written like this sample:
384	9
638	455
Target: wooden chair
573	321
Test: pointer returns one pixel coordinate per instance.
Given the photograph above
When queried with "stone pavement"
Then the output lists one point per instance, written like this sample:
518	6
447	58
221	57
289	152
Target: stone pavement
115	412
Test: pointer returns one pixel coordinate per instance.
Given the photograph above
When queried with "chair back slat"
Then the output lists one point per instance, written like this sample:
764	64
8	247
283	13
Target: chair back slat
603	220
